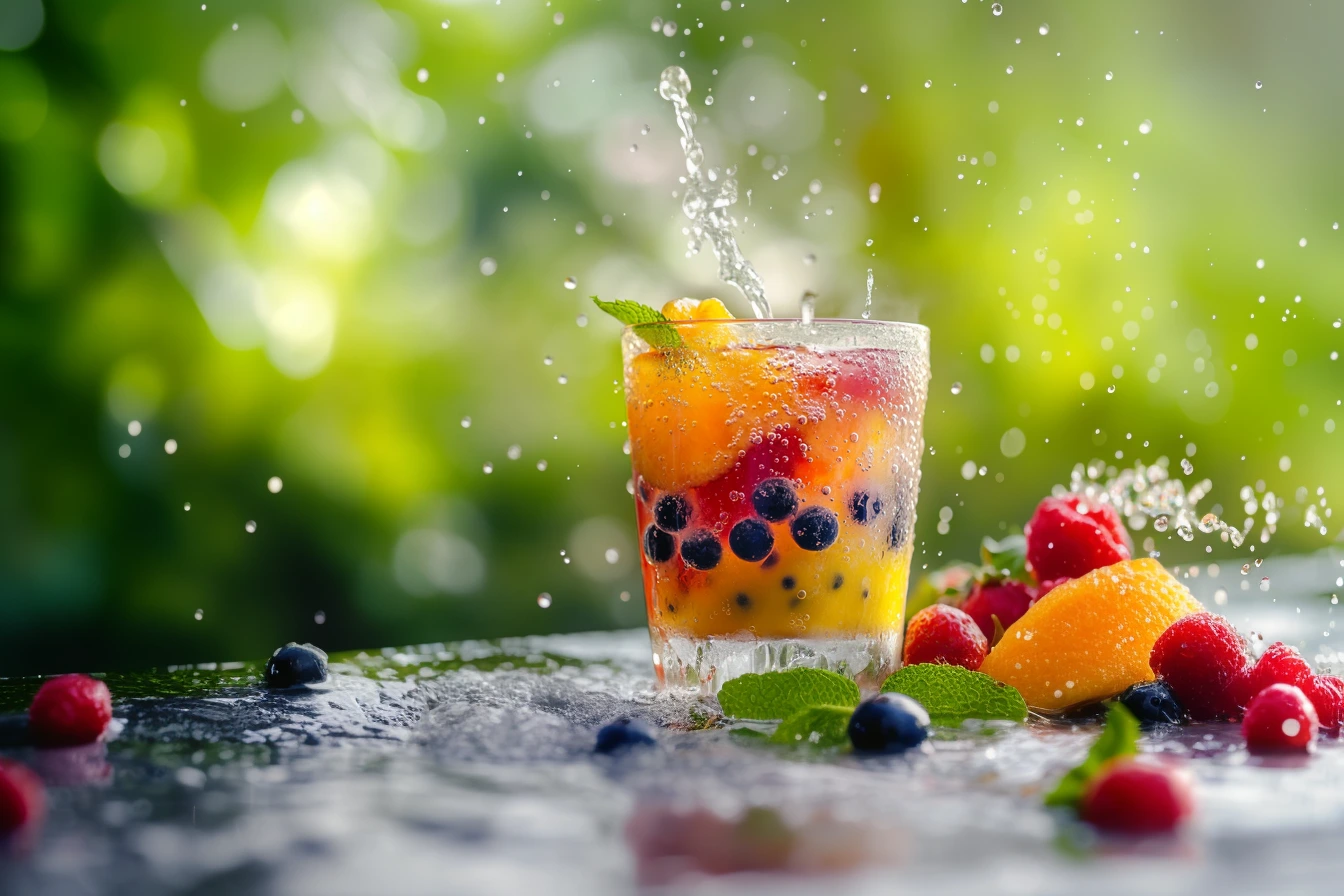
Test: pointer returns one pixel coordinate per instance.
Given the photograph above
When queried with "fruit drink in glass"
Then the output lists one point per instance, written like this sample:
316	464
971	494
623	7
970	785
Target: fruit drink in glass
776	470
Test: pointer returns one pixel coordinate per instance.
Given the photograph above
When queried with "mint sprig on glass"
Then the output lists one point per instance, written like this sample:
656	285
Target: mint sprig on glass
650	323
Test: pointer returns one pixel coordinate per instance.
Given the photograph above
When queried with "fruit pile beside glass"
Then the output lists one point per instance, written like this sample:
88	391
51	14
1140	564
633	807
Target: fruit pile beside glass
776	470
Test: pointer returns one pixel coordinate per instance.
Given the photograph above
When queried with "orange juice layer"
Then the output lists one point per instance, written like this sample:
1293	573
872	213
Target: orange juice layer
775	488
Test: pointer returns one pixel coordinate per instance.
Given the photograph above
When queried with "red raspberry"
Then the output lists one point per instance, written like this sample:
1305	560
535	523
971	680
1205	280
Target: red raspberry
1201	657
22	796
1007	599
1326	693
1280	720
943	634
69	710
1068	537
1280	664
1132	797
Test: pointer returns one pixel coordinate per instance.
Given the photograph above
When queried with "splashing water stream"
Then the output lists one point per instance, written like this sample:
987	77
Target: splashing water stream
708	196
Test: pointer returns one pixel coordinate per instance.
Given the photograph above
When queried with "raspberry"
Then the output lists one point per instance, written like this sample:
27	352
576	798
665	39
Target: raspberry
69	710
1132	797
1069	538
943	634
1201	657
1007	600
22	796
1280	664
1280	719
1326	693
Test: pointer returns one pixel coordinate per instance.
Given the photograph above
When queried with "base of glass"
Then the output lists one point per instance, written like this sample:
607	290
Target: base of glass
706	663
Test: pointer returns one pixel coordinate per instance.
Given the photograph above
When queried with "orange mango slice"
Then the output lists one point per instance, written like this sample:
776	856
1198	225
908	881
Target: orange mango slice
1090	638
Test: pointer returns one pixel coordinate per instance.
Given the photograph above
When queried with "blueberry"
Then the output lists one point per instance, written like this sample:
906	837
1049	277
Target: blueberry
888	723
1153	703
658	545
789	583
863	508
701	550
751	540
672	513
623	734
815	529
294	665
774	500
902	516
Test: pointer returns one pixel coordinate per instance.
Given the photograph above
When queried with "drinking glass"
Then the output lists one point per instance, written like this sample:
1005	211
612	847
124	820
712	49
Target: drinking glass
776	470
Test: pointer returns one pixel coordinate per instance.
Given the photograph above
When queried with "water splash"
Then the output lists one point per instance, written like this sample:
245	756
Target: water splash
1146	492
868	302
807	308
707	198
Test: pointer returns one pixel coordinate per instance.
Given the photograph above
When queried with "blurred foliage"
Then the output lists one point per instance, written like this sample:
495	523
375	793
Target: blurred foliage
307	239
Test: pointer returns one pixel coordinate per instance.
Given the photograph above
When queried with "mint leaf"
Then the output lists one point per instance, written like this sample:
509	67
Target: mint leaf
778	695
822	726
1007	558
952	694
646	320
1119	738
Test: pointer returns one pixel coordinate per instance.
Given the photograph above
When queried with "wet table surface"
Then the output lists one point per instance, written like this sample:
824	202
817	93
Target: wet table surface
468	768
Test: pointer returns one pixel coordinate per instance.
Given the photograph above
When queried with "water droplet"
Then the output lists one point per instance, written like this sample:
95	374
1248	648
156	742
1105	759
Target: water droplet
1258	561
1186	467
1044	29
928	84
1245	569
133	428
274	484
320	617
956	388
996	8
466	423
562	379
1110	75
571	283
1161	523
1264	583
187	506
1259	84
612	556
1009	69
514	452
874	194
199	615
544	600
1145	127
487	468
541	465
548	360
489	266
422	75
170	446
250	526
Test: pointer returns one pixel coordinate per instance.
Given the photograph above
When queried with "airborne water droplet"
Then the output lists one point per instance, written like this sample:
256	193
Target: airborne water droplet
250	526
1044	29
996	8
956	388
1160	524
570	283
544	600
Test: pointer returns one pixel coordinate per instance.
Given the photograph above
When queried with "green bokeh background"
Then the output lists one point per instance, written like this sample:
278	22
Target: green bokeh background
268	244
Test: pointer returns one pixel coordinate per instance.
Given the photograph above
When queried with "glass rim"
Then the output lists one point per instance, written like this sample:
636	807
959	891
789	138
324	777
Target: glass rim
634	328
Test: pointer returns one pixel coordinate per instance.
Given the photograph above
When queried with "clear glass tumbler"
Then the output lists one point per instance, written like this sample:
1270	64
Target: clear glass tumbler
776	469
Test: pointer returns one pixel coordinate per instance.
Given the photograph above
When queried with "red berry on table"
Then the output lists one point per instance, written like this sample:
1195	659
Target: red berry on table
1279	664
1132	797
22	796
1280	719
1201	657
943	634
1007	599
1068	537
69	710
1326	693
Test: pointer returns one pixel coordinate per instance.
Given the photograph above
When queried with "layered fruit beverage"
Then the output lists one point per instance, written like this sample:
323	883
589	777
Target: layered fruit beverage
776	470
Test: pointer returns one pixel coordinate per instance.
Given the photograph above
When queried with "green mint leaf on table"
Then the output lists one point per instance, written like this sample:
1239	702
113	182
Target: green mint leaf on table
645	319
822	726
952	694
1007	558
1119	738
778	695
